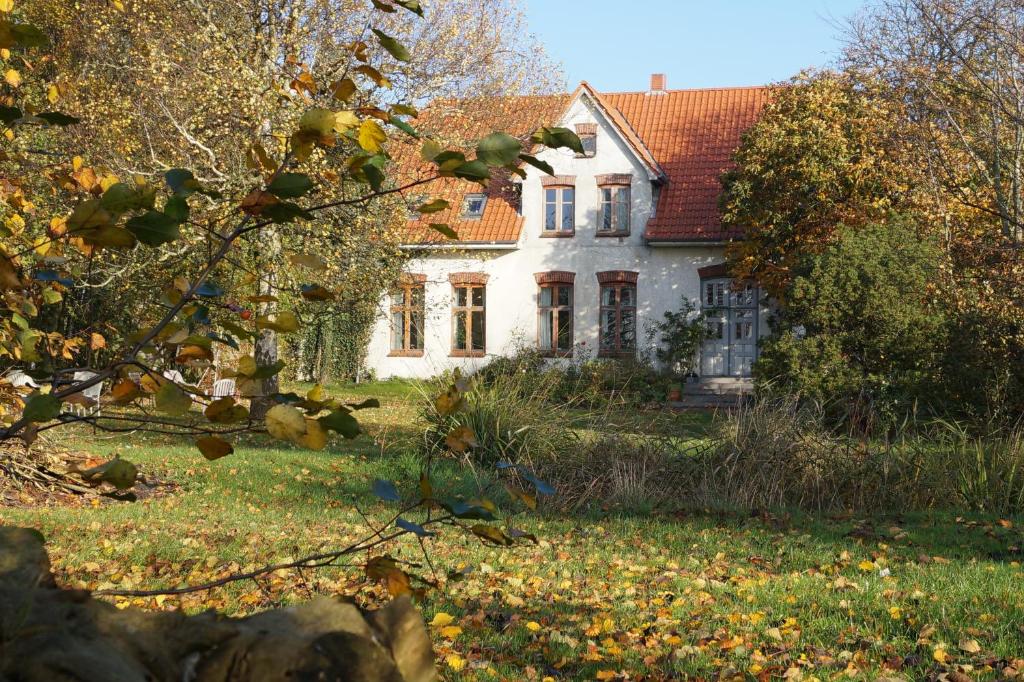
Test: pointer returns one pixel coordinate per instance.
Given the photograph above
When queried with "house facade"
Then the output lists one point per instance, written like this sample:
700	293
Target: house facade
584	262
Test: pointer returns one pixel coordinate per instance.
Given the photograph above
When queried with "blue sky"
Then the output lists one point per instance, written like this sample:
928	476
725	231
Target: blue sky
617	44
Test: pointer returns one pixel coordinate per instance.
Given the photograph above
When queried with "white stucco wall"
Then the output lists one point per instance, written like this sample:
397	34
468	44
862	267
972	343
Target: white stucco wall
665	273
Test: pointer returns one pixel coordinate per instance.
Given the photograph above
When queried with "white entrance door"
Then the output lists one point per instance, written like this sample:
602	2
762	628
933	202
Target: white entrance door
714	357
731	347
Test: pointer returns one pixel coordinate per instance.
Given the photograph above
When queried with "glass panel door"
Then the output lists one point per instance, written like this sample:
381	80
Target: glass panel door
743	348
715	353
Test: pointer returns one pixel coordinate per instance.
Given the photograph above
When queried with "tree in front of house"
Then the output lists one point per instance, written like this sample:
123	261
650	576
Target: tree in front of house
825	152
862	325
323	153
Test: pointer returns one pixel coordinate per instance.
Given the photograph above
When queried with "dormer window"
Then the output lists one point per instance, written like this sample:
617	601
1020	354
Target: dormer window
473	206
587	132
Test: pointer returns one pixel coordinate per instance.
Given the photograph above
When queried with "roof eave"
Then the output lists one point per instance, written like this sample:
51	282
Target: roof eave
470	246
674	241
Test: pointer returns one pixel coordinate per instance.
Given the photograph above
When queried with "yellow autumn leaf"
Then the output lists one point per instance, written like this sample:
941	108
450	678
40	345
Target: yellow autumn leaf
315	437
41	244
345	120
12	77
285	422
455	662
15	223
441	620
533	626
52	93
970	646
371	136
940	655
451	631
605	675
6	5
866	565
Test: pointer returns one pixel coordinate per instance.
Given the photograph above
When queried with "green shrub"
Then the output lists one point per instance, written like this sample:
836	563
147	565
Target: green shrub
682	333
872	333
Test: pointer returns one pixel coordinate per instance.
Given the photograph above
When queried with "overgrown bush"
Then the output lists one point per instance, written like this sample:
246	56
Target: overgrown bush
870	330
618	471
582	381
780	453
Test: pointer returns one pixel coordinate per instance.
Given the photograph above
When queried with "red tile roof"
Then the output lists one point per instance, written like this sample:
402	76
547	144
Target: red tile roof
685	137
459	125
692	134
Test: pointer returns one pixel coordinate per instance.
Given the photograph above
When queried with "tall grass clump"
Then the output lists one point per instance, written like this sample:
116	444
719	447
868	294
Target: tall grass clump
512	418
780	453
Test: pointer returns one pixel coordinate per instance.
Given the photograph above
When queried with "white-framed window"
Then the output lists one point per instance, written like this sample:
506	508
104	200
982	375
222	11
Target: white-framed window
473	206
559	209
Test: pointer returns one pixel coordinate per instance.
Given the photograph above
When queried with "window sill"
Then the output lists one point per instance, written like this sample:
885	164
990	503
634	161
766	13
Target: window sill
467	354
558	235
599	233
406	354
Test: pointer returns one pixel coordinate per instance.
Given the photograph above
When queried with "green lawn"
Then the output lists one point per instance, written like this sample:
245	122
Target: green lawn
618	596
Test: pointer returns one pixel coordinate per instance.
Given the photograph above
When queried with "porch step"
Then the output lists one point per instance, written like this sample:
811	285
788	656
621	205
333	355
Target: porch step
720	386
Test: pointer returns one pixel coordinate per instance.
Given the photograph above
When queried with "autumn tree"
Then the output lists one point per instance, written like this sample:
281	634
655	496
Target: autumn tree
825	152
238	68
323	152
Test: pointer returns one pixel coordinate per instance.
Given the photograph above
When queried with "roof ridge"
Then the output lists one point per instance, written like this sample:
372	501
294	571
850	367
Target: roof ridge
671	90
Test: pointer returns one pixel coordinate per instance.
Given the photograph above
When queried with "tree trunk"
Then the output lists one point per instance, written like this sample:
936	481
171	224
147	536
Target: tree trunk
265	350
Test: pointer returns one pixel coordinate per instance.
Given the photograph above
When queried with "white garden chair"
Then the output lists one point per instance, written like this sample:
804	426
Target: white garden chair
91	394
224	388
19	379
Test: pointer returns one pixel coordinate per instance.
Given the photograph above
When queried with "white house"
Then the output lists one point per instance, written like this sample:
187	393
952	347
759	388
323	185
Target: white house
586	260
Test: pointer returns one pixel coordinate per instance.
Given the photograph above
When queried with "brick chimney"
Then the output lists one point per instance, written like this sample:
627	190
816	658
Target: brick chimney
657	83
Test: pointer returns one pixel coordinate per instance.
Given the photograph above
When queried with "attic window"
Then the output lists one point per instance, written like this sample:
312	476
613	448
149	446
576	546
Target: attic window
587	132
473	207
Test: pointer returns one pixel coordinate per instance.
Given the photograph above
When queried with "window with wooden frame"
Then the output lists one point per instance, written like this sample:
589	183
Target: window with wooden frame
617	331
555	313
559	206
407	315
469	316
